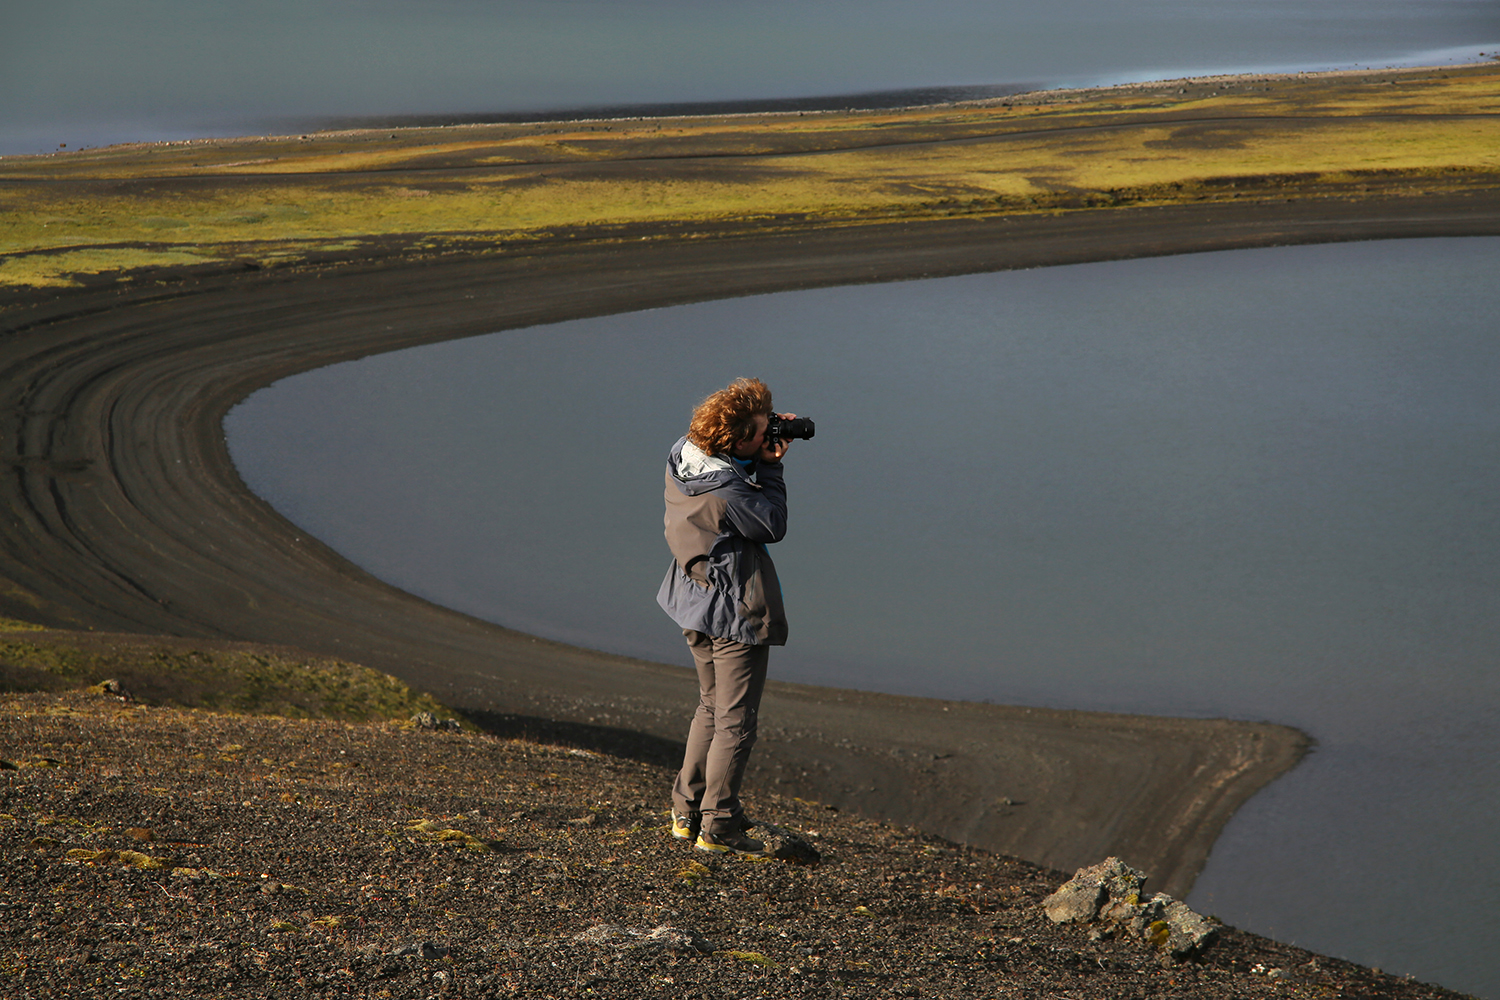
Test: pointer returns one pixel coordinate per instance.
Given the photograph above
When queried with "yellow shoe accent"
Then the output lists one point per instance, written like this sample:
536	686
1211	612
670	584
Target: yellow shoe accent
708	845
731	843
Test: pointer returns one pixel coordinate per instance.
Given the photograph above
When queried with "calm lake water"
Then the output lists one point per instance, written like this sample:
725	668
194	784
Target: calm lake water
1259	484
87	73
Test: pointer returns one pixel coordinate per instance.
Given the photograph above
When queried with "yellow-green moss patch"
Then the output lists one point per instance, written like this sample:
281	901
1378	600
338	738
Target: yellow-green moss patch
226	677
128	210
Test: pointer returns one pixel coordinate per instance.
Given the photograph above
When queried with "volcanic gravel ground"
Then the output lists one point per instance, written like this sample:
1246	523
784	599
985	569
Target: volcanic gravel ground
156	851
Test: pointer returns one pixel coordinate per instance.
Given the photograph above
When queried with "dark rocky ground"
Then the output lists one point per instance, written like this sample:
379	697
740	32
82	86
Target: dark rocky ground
163	851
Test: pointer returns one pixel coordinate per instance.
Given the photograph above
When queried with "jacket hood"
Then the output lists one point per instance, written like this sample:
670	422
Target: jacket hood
697	472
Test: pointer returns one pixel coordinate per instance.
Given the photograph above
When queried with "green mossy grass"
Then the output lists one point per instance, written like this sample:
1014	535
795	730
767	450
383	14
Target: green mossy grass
223	677
141	211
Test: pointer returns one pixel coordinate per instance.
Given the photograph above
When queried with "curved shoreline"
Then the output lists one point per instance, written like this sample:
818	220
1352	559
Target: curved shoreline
127	515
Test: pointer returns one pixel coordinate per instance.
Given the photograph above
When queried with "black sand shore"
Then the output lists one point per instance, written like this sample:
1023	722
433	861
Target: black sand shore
125	514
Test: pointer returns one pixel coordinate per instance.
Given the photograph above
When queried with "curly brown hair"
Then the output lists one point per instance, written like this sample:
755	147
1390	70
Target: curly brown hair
727	417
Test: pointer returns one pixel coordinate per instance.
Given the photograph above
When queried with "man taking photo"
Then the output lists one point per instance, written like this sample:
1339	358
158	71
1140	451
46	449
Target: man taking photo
726	502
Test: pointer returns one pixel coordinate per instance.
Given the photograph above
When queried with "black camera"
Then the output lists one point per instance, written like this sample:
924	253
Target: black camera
779	429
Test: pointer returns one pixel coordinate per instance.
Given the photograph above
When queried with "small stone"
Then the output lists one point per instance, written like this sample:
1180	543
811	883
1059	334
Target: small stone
111	687
677	940
1074	901
421	949
1120	911
140	833
1189	932
426	720
787	845
673	940
1120	880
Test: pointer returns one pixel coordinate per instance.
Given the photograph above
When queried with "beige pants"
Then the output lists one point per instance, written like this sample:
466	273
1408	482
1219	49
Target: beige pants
731	677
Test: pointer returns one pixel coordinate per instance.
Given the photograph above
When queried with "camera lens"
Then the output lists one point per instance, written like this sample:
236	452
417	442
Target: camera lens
785	430
797	427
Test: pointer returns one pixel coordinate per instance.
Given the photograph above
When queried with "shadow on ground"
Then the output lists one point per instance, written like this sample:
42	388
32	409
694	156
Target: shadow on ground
625	743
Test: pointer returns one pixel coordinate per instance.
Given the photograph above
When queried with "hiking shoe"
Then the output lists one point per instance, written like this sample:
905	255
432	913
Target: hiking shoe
729	843
686	827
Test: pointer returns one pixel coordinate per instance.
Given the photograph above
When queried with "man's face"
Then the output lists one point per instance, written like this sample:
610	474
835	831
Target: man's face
751	446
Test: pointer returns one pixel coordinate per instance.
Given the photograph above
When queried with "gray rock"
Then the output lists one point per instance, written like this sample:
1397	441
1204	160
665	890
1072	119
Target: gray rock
674	940
1120	880
422	949
1108	896
1190	932
1075	902
1111	885
426	720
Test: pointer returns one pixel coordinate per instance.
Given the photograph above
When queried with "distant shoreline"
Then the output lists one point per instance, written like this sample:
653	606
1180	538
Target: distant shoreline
128	516
872	100
912	98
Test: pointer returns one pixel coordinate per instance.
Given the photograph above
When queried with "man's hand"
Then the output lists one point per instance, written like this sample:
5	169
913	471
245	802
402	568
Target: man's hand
770	454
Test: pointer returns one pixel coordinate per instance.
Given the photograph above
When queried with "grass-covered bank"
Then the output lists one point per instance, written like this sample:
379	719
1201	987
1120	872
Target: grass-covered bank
163	671
148	210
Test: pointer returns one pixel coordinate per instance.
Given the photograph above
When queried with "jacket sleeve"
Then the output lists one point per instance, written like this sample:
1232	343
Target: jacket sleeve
760	514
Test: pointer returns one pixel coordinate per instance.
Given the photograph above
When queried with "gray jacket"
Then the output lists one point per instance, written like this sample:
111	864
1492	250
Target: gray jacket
722	581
